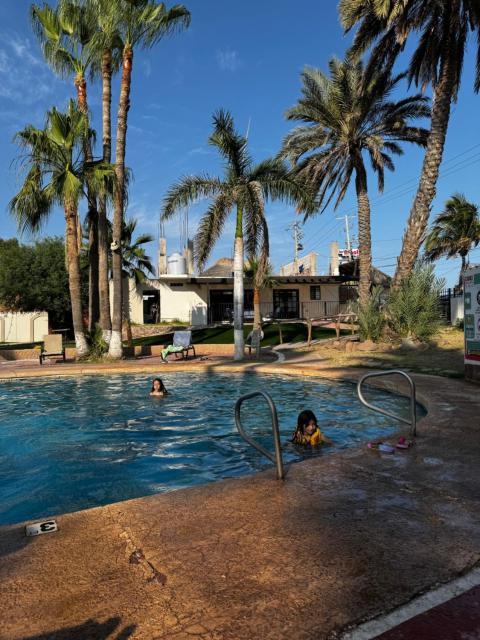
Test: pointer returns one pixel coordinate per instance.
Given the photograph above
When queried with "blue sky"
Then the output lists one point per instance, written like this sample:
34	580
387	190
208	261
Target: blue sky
245	57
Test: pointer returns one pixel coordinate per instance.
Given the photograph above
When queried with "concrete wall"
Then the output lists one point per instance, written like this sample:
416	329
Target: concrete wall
132	296
23	327
187	303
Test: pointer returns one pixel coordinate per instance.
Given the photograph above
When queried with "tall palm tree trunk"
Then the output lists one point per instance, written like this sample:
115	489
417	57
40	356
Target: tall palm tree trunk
420	211
115	350
74	280
238	289
257	316
103	284
127	323
93	293
93	267
364	233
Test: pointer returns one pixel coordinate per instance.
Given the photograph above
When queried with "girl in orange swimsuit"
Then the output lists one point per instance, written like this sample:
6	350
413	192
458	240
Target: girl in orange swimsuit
307	431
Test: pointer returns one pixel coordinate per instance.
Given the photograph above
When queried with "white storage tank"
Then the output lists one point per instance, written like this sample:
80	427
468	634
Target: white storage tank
176	265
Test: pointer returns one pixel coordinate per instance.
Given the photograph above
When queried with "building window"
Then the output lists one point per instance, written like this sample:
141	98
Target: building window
315	292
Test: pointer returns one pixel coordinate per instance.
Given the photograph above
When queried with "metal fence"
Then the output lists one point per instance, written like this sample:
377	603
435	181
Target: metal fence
323	309
318	309
445	302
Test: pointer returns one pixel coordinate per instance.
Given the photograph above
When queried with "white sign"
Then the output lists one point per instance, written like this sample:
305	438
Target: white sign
471	297
347	253
49	526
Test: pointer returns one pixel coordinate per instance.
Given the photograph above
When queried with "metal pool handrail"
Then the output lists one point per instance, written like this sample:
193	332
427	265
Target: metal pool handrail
413	398
277	458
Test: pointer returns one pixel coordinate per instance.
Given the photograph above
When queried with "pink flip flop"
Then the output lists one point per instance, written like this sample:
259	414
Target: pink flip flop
403	443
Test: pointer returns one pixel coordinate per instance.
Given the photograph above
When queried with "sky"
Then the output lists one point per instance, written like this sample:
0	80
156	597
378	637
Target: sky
245	57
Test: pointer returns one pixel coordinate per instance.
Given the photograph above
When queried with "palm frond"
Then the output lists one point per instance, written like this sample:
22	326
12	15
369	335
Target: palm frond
231	145
187	191
211	226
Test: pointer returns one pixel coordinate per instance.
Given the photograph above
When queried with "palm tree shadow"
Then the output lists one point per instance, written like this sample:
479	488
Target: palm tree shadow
90	629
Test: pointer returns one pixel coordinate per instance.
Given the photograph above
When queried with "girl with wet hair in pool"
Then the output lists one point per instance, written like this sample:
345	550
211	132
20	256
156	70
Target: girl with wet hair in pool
307	431
158	388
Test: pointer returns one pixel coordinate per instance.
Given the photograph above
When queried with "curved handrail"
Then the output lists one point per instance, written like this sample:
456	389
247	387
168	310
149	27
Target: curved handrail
413	398
277	458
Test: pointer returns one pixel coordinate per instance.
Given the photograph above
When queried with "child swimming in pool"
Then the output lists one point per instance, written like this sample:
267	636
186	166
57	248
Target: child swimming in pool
307	431
158	388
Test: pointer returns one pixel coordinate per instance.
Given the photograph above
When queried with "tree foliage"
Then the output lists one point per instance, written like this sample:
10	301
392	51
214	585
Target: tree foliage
371	317
413	309
454	231
34	278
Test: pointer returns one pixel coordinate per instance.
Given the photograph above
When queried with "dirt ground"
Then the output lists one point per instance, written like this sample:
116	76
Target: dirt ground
444	356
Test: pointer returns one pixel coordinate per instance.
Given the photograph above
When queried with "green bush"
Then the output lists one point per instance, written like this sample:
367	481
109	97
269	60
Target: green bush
413	310
98	346
371	319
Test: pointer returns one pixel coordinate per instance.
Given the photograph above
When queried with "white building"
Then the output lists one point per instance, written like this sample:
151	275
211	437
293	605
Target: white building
208	298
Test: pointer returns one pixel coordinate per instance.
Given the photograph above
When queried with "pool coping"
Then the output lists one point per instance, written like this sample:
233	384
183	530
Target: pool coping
183	507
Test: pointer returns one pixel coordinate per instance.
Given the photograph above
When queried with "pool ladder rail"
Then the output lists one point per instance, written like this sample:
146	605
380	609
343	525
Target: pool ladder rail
412	423
276	458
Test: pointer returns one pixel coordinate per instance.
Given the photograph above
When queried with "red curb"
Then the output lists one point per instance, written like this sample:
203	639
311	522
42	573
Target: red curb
457	619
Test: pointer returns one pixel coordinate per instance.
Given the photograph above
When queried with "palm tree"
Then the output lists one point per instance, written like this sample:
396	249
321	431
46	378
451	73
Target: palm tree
443	27
243	188
107	46
136	264
347	115
140	23
66	36
454	232
259	271
56	174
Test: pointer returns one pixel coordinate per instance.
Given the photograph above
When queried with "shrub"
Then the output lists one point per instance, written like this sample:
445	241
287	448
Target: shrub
371	319
98	346
413	309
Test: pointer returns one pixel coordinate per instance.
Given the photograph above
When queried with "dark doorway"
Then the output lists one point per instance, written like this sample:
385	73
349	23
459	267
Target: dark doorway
285	304
151	307
221	305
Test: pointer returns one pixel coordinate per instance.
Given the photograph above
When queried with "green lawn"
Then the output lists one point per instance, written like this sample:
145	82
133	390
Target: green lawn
294	332
20	345
28	345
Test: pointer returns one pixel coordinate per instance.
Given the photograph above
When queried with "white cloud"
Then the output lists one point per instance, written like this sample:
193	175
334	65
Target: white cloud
228	60
25	78
22	50
199	151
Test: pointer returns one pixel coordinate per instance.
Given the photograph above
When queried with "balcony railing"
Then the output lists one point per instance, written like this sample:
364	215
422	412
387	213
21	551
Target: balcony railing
323	309
223	311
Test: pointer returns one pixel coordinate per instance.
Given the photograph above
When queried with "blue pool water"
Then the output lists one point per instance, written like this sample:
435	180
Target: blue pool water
68	444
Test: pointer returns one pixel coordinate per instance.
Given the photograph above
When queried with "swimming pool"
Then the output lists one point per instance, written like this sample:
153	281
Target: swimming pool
73	443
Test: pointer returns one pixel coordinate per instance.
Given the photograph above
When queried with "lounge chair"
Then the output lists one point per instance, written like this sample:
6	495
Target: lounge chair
183	339
253	340
52	346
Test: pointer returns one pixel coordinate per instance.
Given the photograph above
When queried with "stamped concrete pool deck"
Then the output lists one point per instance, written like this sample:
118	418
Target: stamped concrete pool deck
347	536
